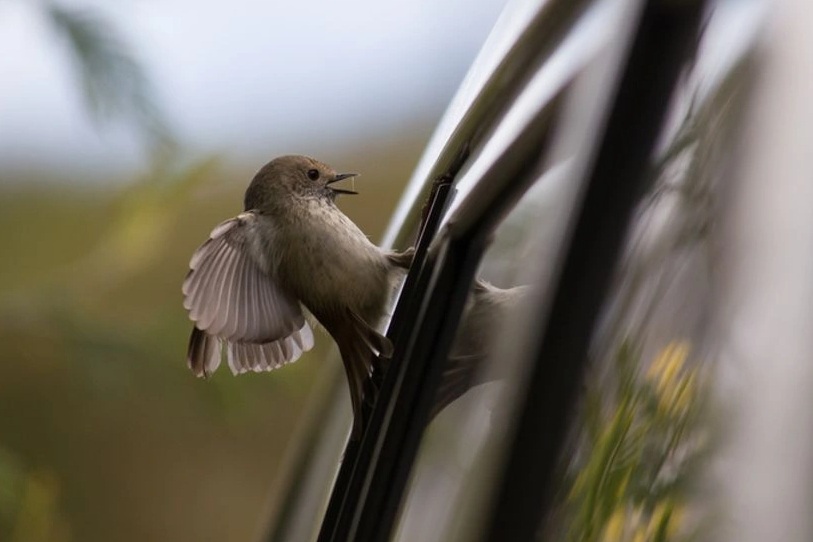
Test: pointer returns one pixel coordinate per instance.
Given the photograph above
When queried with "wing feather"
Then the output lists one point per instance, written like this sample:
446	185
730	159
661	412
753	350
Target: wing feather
234	302
245	357
203	356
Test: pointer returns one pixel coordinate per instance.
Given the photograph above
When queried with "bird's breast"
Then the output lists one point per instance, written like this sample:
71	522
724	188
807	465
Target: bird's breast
332	265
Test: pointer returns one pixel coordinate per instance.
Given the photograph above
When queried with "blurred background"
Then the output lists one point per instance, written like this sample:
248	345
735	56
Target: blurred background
127	131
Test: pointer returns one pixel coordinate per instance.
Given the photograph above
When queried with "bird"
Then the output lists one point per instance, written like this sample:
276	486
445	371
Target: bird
291	253
487	309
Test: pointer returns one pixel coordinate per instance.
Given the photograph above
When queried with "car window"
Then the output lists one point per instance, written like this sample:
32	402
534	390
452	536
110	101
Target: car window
463	413
450	481
644	425
650	420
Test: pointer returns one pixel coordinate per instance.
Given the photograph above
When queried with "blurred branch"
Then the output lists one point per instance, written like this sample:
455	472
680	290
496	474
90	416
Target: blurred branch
113	81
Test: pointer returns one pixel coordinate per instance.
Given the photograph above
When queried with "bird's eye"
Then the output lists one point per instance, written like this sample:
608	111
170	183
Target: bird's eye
313	174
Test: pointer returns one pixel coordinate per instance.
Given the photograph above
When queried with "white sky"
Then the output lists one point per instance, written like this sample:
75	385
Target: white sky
243	76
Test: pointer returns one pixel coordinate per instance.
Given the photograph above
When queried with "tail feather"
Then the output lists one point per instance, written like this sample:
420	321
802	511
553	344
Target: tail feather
375	340
459	376
358	344
356	357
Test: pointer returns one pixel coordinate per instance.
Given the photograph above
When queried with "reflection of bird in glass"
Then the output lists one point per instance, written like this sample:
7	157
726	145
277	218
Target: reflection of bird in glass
486	309
291	245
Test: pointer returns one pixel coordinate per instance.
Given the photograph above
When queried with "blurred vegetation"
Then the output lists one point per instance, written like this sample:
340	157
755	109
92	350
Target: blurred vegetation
646	433
104	433
114	83
642	443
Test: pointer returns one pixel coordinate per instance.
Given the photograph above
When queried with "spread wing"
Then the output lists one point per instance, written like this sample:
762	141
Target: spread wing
234	302
206	351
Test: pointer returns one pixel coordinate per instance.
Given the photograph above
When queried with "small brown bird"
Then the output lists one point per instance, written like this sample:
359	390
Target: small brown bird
290	247
486	310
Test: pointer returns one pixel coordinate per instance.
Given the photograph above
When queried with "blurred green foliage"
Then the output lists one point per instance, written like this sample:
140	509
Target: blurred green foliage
104	433
642	443
29	503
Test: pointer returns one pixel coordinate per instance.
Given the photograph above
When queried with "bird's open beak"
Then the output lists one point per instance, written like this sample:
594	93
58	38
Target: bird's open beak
339	177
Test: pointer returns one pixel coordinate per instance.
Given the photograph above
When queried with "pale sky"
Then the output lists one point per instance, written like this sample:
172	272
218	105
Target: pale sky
242	76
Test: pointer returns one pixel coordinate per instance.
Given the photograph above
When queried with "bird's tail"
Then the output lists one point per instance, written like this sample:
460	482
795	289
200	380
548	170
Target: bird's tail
359	344
459	376
378	343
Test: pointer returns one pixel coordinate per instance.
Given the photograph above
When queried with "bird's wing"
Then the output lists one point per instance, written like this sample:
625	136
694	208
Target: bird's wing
245	357
206	351
233	301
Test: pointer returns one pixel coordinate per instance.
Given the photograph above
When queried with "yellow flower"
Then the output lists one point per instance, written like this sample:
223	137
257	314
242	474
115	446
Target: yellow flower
614	528
668	364
676	521
660	519
622	487
660	510
664	374
685	394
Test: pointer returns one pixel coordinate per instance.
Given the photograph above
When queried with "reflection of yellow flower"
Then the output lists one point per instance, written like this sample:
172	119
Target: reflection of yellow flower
622	486
635	525
606	492
668	364
676	519
675	392
614	528
685	394
659	521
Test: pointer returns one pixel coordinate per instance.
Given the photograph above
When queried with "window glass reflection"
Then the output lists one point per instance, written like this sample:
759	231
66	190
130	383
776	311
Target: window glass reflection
648	424
452	478
473	386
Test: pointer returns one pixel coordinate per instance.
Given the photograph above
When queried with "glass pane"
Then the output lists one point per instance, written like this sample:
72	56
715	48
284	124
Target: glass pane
452	477
648	424
471	390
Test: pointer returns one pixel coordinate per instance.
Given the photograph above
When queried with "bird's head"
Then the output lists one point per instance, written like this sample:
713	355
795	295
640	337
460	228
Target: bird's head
297	176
